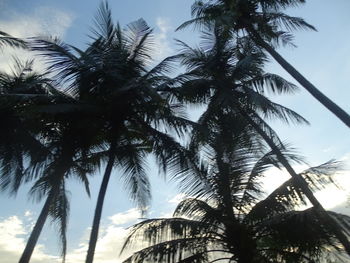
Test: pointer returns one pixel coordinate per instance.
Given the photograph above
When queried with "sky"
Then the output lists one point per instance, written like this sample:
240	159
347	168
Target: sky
323	57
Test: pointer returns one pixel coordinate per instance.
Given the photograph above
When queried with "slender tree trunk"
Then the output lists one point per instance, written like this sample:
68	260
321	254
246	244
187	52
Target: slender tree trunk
34	236
225	184
243	245
99	206
329	104
338	232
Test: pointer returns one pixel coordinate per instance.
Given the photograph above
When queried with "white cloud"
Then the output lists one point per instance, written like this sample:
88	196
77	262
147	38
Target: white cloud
345	160
166	214
162	47
12	242
177	198
108	247
42	21
334	196
11	227
330	197
28	213
328	149
14	231
128	217
274	177
111	240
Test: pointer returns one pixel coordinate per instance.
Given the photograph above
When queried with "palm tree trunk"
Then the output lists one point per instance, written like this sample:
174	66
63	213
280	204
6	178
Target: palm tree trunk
329	104
338	232
224	183
34	236
244	246
99	206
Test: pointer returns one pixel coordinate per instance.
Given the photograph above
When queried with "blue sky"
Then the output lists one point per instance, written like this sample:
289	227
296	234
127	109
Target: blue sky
323	57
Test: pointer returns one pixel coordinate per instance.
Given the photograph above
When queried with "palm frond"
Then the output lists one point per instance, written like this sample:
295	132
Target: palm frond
272	110
61	61
314	235
197	22
180	238
290	195
59	211
104	26
8	40
273	83
138	39
132	162
289	22
171	252
196	208
280	4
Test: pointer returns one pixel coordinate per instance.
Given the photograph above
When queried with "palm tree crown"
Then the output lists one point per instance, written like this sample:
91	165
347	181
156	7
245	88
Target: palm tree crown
42	146
112	81
266	24
229	222
230	78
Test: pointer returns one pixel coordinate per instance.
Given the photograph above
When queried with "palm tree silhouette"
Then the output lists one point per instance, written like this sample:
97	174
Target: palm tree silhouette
228	221
228	75
42	146
113	80
266	25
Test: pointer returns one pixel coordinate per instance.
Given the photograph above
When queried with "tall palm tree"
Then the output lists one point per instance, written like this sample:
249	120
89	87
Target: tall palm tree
18	139
40	146
51	184
267	25
113	78
228	221
70	156
228	75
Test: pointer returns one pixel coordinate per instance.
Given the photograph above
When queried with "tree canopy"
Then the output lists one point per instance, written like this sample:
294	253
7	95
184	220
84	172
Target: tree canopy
110	105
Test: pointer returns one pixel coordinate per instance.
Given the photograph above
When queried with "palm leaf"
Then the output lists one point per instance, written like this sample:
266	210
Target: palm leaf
290	195
8	40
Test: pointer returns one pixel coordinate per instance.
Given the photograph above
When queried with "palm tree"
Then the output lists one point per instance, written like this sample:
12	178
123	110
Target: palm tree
71	155
228	75
112	78
228	221
266	25
40	146
18	139
51	184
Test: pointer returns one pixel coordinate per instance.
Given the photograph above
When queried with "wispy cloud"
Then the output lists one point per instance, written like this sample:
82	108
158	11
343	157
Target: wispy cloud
111	240
177	198
42	21
13	231
330	197
127	217
162	47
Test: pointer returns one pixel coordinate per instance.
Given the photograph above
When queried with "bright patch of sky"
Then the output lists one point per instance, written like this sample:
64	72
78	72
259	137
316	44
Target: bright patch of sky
323	57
